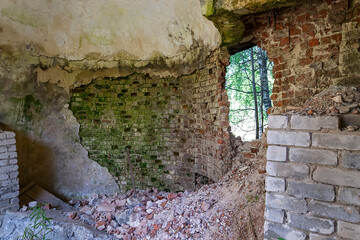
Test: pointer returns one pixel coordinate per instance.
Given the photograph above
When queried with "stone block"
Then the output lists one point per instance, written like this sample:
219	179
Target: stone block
2	135
13	175
3	149
4	163
6	142
12	148
4	203
14	201
274	215
350	195
291	170
314	236
9	195
298	122
339	212
276	231
337	177
276	153
350	160
273	184
348	230
7	155
284	202
311	224
277	121
301	139
13	161
10	134
4	176
7	169
314	156
336	141
309	190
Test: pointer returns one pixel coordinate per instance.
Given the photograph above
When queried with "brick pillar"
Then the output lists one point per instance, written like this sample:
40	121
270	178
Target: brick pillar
313	179
9	182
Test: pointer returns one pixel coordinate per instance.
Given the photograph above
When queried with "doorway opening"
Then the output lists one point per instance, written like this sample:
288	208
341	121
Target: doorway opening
249	83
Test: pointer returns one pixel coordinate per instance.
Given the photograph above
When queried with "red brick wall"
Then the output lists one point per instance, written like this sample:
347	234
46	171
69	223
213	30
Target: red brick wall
304	44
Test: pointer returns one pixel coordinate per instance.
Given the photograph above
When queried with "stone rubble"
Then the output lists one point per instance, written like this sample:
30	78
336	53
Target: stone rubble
332	101
155	214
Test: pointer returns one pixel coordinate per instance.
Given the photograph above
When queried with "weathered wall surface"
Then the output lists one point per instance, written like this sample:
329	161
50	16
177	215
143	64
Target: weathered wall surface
111	31
59	59
313	179
175	128
9	181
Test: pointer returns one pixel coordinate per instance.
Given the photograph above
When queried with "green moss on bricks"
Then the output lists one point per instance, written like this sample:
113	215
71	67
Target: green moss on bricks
112	118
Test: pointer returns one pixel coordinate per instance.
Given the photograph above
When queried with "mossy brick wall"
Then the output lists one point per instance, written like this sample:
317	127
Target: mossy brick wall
307	44
174	127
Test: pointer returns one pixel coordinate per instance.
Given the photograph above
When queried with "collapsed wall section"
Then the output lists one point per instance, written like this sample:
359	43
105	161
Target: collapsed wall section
175	128
312	181
9	182
311	45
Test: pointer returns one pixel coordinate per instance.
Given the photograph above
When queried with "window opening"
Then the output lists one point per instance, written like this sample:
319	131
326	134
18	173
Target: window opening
249	83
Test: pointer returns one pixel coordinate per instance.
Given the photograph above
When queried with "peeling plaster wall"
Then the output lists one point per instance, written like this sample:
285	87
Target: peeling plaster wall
48	48
111	30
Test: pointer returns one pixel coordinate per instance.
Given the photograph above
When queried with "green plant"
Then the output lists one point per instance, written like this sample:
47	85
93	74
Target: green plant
281	239
38	229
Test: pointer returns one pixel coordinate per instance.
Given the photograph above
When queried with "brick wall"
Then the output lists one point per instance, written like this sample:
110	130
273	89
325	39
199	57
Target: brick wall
9	182
176	128
313	179
307	44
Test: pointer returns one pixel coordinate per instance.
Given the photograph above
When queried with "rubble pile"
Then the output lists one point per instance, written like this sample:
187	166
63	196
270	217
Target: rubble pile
212	212
332	101
154	213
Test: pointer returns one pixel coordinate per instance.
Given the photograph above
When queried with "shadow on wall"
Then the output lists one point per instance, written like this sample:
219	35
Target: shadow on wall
31	155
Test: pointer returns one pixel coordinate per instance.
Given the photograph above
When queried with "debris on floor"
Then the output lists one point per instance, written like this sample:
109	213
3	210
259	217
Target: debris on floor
232	208
332	101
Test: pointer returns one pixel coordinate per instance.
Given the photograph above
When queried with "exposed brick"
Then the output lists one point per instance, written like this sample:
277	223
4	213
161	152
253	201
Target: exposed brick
309	190
339	212
336	141
273	184
312	224
338	177
276	153
350	160
314	156
276	231
274	215
348	230
314	42
284	202
288	138
292	170
277	121
313	123
350	195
